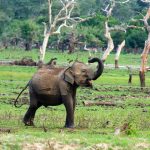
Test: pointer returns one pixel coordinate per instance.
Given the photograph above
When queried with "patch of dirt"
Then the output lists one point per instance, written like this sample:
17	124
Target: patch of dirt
49	145
122	97
103	146
130	89
142	146
6	130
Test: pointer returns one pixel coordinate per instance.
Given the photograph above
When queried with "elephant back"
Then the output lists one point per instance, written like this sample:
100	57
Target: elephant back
46	81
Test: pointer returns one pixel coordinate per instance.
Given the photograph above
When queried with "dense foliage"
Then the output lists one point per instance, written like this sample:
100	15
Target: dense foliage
21	22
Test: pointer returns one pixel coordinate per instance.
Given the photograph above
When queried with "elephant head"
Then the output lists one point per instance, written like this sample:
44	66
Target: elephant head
81	74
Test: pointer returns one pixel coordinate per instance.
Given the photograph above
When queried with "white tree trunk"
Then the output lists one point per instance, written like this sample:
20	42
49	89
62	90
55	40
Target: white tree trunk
119	49
57	22
43	47
144	58
110	44
146	50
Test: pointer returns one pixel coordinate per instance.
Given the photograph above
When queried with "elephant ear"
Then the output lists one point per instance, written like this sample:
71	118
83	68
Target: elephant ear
68	76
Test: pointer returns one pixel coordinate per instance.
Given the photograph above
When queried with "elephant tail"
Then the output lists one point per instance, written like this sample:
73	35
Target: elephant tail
16	100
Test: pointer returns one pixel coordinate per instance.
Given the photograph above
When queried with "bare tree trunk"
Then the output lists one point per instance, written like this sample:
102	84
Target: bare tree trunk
28	46
146	50
57	22
142	78
110	45
5	44
43	47
118	53
144	58
130	79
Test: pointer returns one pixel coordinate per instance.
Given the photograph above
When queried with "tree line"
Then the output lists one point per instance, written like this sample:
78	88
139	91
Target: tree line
21	24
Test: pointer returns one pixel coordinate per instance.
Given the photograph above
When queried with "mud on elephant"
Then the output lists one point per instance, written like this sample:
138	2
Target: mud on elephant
55	86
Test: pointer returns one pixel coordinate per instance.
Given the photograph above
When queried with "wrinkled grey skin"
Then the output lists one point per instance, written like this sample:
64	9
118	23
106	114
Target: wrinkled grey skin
51	87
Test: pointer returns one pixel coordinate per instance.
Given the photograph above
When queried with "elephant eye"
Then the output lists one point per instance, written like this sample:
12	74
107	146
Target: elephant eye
84	71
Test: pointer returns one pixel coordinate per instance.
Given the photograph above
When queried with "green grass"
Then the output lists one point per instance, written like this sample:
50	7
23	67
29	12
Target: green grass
13	54
94	125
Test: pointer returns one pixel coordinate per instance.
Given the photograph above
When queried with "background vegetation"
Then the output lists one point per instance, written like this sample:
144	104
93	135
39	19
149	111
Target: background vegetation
21	23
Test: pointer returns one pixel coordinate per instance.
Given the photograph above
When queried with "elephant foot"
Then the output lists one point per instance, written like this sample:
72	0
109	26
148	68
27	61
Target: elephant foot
28	123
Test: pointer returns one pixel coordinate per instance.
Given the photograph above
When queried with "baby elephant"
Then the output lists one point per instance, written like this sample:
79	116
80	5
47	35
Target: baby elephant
55	86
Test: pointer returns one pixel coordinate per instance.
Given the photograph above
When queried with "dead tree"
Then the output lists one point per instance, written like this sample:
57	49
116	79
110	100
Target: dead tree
90	50
144	56
110	44
118	53
56	23
72	42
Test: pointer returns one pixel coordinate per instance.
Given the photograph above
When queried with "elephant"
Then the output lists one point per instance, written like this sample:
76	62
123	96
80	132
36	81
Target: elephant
55	86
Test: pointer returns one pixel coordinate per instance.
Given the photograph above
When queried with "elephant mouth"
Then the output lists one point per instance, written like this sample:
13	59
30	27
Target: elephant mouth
88	83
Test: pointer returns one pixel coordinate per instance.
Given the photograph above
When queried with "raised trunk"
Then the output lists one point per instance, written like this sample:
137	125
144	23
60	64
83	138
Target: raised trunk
100	67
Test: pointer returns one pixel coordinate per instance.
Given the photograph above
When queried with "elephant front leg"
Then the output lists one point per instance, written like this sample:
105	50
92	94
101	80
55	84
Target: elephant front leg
68	102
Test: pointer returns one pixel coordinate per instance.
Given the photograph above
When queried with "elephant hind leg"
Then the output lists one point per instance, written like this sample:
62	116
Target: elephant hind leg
29	116
34	105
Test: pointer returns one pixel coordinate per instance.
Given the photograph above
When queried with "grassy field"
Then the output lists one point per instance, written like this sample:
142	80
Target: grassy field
95	125
10	54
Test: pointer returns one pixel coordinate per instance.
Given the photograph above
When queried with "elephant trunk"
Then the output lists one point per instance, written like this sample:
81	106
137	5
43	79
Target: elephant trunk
100	67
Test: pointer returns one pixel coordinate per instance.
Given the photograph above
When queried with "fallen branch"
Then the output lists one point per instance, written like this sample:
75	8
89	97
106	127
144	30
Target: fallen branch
24	62
7	130
30	62
88	103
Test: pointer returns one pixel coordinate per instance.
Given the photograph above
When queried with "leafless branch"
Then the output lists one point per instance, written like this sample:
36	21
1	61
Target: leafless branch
62	25
137	27
122	2
140	14
106	9
146	17
69	4
45	28
62	3
50	11
62	19
110	45
78	19
117	28
145	1
124	27
109	8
